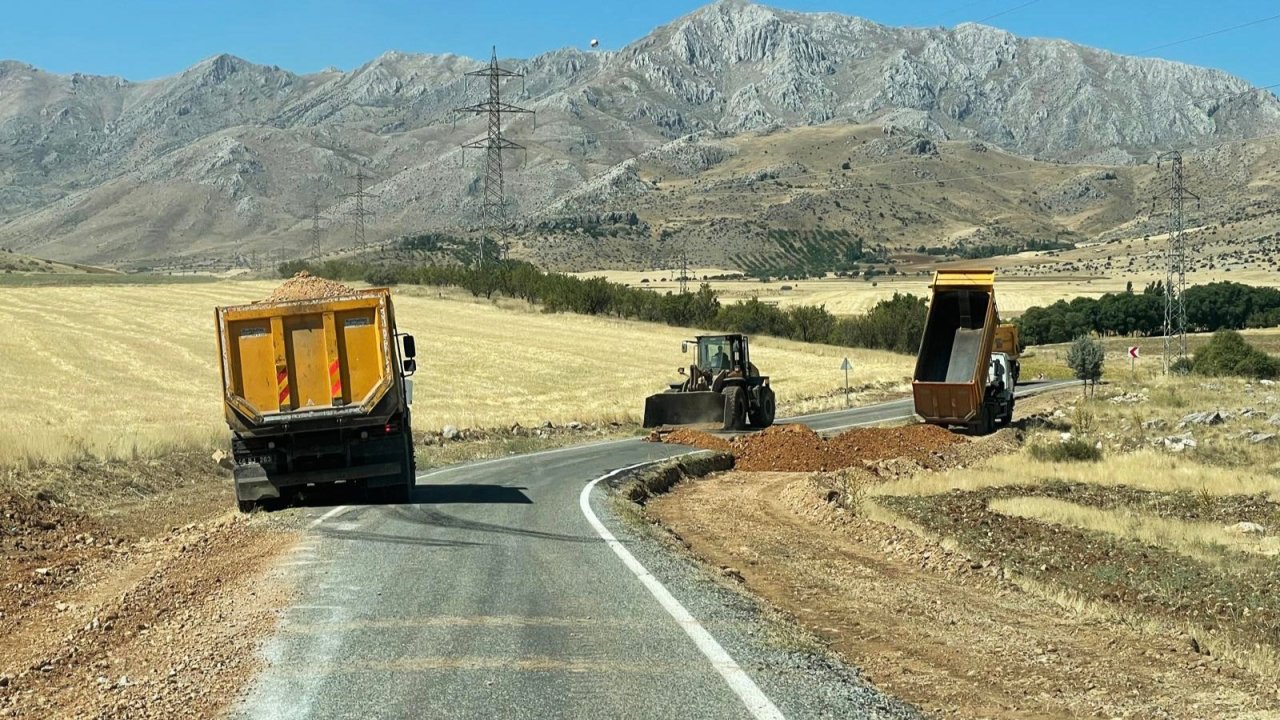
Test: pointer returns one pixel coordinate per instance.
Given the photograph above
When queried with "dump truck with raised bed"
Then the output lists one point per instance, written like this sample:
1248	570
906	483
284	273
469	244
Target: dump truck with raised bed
1007	342
721	387
317	391
956	381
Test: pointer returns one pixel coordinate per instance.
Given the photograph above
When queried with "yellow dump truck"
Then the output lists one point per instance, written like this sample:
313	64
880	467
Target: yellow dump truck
958	379
316	392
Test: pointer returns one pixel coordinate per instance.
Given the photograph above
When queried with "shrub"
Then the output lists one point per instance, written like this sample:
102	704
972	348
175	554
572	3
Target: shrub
382	276
1182	366
1075	449
1227	353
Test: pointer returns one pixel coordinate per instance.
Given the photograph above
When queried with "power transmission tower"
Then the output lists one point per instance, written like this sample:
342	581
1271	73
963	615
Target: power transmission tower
493	206
360	213
684	269
1175	284
315	229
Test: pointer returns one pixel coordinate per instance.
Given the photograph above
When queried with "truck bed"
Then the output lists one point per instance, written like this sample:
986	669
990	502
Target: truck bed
951	368
311	358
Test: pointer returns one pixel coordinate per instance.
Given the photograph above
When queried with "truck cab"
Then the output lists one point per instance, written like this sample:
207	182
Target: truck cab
1000	384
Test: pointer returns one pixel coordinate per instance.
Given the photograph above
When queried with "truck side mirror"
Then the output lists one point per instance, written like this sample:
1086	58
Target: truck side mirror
410	366
684	347
680	369
410	348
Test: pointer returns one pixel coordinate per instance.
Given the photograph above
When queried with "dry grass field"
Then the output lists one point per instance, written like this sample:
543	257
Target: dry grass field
1151	530
130	371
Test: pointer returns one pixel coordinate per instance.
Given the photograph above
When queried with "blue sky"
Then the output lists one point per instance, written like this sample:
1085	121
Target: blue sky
142	39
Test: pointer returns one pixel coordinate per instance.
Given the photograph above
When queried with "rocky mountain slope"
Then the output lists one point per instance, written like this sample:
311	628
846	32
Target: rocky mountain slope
229	157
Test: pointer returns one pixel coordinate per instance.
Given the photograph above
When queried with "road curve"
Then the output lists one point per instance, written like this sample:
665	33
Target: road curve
497	594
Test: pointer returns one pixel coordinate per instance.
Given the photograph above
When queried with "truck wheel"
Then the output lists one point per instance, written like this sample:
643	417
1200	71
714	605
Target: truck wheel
735	407
1008	416
764	415
984	423
246	506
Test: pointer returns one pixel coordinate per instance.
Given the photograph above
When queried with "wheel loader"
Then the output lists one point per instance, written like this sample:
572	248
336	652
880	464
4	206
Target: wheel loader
721	386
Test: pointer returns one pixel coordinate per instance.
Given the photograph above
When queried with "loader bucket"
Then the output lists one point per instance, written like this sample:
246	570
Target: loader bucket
683	408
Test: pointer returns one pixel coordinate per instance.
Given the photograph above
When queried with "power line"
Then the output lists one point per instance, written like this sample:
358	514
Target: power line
1259	21
493	205
1006	11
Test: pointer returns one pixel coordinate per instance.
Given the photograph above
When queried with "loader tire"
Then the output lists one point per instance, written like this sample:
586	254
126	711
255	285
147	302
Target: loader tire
768	408
735	408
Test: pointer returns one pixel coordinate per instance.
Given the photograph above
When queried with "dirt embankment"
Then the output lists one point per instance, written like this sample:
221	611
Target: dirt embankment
954	632
932	625
111	609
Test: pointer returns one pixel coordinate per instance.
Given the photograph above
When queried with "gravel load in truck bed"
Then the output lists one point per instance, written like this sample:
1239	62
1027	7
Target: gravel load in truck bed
305	286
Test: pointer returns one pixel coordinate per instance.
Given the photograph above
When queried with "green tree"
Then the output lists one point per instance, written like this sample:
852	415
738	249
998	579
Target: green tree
1085	358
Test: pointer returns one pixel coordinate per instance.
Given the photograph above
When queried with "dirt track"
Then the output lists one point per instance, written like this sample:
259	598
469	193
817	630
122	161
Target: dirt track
933	626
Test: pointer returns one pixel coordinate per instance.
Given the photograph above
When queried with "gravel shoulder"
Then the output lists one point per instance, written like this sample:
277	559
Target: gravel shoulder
144	604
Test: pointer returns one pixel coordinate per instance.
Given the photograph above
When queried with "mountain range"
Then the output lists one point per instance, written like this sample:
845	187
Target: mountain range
230	157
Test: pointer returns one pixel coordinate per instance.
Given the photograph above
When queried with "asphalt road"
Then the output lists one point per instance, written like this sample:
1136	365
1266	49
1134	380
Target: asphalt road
508	589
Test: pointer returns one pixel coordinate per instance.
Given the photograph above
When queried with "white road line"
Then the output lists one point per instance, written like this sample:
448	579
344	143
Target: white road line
332	513
758	704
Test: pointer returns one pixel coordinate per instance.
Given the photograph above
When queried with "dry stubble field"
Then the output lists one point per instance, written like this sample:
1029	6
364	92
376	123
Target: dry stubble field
130	371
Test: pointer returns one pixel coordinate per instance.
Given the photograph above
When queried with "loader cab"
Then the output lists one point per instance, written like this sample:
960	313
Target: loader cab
722	352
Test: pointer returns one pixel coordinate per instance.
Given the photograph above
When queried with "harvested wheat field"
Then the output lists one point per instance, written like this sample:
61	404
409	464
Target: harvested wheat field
132	370
994	577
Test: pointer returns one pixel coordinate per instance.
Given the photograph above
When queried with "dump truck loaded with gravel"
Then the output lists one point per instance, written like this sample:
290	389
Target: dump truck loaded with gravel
959	379
316	390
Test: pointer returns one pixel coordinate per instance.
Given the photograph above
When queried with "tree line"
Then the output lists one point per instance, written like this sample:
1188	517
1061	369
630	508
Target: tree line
1211	307
894	324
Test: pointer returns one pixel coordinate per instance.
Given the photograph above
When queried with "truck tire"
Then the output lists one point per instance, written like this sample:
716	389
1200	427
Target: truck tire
767	409
246	506
1008	416
735	408
984	423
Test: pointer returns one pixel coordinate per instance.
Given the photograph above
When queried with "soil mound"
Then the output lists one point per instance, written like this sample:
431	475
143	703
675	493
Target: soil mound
797	448
305	286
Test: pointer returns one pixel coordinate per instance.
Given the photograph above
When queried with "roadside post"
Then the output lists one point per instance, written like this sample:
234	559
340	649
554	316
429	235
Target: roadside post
846	366
1133	358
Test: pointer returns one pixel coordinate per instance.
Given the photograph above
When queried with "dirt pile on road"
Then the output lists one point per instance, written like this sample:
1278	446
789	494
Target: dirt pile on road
797	448
695	438
305	286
